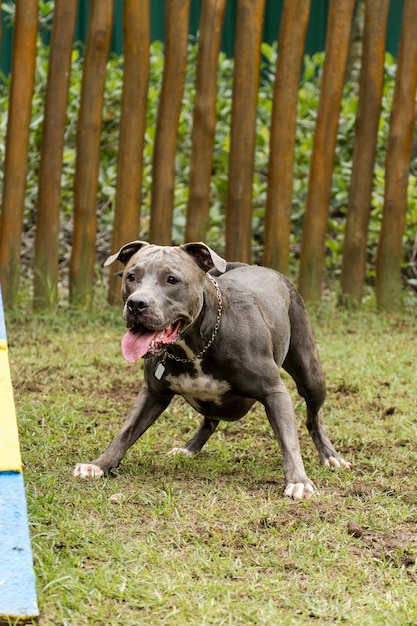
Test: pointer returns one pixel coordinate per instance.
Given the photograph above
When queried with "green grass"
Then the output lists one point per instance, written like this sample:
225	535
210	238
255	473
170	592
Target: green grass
212	540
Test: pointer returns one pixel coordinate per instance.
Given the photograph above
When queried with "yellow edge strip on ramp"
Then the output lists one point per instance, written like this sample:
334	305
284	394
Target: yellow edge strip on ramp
10	459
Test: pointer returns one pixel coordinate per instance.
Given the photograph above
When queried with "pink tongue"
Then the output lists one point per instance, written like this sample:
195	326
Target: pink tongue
134	346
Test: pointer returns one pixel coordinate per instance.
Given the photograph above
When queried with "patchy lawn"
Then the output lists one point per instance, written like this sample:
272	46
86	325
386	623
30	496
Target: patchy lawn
212	540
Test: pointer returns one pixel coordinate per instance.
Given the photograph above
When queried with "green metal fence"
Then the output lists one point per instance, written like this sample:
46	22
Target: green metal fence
315	38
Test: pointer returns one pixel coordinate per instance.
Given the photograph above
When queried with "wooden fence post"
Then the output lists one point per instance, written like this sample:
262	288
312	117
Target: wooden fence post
136	35
204	119
321	168
389	255
163	170
88	145
364	150
50	171
282	140
15	166
248	36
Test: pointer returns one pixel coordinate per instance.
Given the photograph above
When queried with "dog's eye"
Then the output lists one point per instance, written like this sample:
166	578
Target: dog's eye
130	278
172	280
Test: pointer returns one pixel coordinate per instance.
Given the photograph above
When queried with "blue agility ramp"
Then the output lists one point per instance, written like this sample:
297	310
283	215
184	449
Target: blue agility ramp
18	603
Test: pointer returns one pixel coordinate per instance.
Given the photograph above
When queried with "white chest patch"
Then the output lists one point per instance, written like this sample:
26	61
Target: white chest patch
198	388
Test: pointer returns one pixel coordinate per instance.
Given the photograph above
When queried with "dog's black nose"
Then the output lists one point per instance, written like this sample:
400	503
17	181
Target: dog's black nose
137	305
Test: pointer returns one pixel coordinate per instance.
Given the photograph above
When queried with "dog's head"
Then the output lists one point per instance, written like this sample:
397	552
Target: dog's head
162	289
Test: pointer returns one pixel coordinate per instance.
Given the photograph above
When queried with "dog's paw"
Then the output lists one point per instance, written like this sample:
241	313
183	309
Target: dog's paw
298	491
88	470
182	451
338	463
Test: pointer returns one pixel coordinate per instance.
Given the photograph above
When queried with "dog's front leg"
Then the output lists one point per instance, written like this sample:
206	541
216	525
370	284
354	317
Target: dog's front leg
280	412
147	408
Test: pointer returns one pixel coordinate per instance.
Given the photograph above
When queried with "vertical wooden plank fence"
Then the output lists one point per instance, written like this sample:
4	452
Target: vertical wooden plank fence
15	166
364	150
282	141
317	208
204	119
249	21
49	192
389	256
88	144
163	172
136	35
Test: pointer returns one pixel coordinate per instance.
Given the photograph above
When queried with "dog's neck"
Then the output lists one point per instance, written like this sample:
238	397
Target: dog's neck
213	334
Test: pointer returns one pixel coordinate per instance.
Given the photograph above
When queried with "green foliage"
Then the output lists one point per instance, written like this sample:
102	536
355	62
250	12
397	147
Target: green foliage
307	108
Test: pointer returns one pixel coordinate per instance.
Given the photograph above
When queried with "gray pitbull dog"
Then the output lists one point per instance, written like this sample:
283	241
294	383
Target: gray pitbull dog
217	333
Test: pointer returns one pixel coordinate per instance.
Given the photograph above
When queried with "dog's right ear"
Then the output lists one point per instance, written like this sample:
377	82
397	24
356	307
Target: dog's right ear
125	252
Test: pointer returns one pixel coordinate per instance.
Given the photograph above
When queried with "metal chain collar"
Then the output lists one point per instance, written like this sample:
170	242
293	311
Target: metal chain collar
213	334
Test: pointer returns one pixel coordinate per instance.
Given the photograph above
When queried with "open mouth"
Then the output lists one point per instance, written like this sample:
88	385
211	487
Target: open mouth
140	341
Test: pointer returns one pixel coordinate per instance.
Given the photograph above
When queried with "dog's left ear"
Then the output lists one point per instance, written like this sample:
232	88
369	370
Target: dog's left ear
205	257
125	252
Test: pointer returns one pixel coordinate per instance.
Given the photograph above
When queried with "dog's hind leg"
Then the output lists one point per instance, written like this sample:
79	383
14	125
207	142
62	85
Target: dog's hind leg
311	386
303	364
207	428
